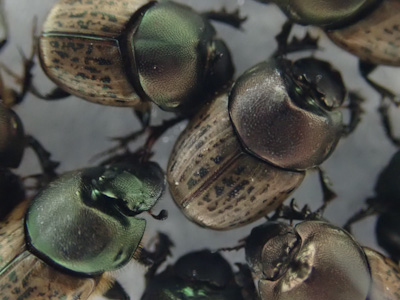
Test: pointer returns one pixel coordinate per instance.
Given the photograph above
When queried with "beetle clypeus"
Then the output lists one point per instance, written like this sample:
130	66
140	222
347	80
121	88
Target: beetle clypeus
246	151
317	260
76	229
126	53
200	275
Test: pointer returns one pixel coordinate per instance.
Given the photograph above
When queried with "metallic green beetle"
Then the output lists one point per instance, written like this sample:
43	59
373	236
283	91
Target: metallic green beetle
242	155
78	228
200	275
125	53
317	260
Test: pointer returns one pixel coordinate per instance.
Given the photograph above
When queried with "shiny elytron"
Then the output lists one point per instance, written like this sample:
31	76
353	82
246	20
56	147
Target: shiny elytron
243	154
126	53
317	260
76	229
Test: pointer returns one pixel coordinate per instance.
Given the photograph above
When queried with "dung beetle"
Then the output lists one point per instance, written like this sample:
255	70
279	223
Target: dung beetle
200	275
317	260
386	204
369	29
242	154
77	229
127	53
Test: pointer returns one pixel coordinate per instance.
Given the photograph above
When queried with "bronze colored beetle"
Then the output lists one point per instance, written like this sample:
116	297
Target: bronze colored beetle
317	260
77	229
126	53
243	154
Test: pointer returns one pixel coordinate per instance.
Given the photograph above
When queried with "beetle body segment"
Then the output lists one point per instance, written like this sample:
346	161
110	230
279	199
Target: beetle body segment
12	138
24	275
97	230
126	53
374	38
307	258
215	182
287	128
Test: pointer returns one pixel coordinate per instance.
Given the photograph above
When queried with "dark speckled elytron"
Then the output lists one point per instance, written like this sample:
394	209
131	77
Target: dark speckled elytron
200	275
370	29
243	154
316	260
76	229
125	53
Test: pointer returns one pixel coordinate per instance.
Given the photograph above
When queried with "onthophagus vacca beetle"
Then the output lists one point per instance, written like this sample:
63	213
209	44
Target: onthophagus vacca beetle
200	275
128	53
317	260
385	204
242	155
369	29
77	229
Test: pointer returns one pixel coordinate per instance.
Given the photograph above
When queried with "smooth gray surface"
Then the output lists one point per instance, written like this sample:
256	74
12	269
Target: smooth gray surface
75	130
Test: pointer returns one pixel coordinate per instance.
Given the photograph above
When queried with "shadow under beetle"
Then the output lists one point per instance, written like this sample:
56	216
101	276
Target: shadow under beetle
242	154
317	260
386	204
200	275
127	53
77	229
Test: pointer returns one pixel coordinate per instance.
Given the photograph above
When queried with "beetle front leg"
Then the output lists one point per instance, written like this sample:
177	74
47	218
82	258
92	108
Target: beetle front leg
360	215
154	259
387	124
327	191
365	69
230	18
355	101
116	292
48	166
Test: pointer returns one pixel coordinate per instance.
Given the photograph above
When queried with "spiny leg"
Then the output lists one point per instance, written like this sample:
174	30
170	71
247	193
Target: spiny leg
355	101
360	215
230	18
295	45
365	69
154	259
387	124
116	292
327	191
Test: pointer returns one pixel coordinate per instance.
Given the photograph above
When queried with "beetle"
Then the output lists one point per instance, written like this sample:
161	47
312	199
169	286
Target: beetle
369	29
317	260
127	53
200	275
242	155
96	230
386	204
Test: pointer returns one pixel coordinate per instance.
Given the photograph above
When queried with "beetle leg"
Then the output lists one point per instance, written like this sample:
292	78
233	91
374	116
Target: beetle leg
387	124
55	94
48	166
162	250
365	69
361	214
327	191
295	45
355	101
116	292
230	18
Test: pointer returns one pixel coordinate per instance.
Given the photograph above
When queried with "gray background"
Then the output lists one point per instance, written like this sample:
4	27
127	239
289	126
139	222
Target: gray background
74	130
